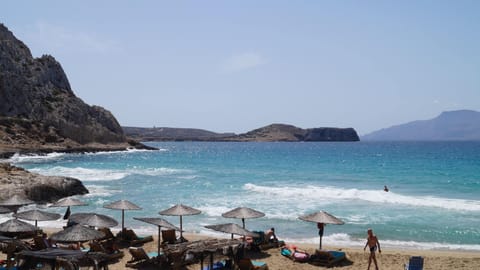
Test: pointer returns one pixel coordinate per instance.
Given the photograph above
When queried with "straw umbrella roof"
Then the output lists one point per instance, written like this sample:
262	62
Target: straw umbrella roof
160	222
94	220
16	226
180	210
243	213
231	228
77	233
68	202
16	200
37	215
322	217
122	205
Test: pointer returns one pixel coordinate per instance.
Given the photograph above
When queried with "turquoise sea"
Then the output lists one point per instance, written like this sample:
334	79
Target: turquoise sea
433	203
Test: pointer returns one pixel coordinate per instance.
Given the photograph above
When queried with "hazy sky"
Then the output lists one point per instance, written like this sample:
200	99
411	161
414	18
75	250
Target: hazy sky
239	65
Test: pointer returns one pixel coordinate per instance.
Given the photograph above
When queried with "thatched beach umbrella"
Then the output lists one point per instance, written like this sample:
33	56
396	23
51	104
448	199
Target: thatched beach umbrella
15	202
122	205
160	223
67	202
321	217
243	213
231	228
37	215
77	233
94	220
180	210
16	226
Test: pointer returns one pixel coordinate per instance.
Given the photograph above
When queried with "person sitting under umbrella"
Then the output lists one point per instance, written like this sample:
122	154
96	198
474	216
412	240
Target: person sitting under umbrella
270	235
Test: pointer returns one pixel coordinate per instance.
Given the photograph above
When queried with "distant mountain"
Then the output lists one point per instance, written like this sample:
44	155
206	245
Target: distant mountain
270	133
462	125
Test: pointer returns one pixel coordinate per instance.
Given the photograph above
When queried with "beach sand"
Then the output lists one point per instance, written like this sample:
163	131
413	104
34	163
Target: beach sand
389	259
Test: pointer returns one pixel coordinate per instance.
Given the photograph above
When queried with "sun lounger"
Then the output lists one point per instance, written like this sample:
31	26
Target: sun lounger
169	237
133	239
112	253
415	263
327	257
108	233
140	256
247	264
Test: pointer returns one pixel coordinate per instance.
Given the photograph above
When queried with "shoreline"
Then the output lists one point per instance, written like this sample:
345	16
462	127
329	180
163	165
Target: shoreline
389	259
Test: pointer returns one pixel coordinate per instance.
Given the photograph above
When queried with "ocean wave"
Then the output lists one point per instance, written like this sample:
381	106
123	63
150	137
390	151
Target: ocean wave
332	194
40	158
88	174
18	158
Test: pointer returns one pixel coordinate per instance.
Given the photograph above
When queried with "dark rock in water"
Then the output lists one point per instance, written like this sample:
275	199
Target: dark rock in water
39	110
38	188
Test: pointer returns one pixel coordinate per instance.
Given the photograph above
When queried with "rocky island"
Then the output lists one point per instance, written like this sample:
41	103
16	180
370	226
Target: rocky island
270	133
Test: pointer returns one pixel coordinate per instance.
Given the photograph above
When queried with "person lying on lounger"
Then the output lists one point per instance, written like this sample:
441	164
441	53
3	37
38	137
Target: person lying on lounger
294	253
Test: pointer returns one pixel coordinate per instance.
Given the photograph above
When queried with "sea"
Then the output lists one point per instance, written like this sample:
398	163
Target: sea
433	200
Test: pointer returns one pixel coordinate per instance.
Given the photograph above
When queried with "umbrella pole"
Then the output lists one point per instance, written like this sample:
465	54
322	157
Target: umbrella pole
320	243
243	221
159	239
123	221
181	229
36	224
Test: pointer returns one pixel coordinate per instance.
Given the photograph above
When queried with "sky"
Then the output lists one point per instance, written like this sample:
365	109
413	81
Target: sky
233	66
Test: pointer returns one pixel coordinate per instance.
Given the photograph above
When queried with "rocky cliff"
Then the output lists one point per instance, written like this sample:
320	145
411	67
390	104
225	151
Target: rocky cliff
39	110
14	180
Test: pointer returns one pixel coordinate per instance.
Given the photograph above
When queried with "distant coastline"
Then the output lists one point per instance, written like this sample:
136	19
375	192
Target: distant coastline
270	133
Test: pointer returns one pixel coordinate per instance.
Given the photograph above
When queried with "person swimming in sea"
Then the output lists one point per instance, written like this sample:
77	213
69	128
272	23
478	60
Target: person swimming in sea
385	188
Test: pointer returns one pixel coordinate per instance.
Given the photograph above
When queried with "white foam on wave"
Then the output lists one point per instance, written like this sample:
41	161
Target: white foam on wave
127	151
17	158
345	240
89	174
332	194
100	191
39	158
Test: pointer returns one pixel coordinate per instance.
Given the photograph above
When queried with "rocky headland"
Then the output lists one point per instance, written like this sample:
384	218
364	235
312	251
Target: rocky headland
270	133
39	113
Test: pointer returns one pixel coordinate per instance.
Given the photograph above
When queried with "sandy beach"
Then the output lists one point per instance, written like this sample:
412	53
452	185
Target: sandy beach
356	258
389	259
